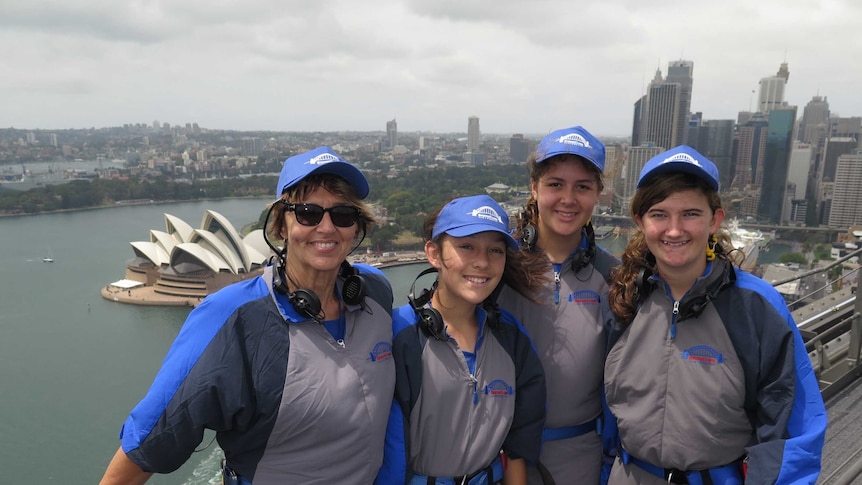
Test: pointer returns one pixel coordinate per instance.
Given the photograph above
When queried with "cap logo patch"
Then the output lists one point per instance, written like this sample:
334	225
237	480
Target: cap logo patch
574	139
682	157
322	159
487	213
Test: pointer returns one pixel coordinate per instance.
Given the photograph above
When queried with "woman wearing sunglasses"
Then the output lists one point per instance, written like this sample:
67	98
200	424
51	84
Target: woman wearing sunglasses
292	369
469	383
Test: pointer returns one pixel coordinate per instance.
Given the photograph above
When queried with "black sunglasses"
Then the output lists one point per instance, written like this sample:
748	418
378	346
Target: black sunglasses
312	214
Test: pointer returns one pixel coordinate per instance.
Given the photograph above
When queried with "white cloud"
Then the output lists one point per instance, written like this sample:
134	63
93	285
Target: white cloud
336	64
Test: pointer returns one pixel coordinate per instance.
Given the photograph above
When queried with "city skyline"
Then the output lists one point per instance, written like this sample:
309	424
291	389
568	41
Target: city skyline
340	66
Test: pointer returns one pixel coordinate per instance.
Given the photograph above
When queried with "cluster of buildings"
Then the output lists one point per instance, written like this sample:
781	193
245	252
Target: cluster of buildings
776	166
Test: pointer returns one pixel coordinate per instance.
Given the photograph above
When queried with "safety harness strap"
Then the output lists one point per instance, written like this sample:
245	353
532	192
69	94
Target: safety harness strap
554	434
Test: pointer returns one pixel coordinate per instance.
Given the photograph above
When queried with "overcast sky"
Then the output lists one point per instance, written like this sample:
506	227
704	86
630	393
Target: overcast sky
527	66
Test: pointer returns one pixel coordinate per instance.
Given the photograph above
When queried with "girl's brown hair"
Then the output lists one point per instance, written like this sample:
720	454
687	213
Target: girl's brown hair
623	294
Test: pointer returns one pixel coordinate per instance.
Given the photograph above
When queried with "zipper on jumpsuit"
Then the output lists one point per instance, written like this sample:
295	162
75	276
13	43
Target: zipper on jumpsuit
557	284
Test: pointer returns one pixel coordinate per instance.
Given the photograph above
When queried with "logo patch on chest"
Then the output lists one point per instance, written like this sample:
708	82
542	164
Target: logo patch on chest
381	351
585	297
703	354
498	388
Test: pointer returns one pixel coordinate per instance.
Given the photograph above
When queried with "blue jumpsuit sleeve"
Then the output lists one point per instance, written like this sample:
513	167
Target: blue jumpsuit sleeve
195	388
407	352
790	421
525	435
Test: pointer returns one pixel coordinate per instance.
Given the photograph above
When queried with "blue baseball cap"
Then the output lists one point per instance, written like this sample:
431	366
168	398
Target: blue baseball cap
681	159
318	161
574	141
466	216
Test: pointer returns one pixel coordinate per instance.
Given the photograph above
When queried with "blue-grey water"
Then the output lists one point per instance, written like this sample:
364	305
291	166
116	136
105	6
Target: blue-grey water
72	364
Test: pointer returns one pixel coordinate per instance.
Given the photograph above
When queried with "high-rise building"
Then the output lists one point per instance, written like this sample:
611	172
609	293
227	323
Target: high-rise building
662	116
849	127
474	136
682	73
847	192
519	148
815	120
750	149
252	146
639	120
715	142
800	167
391	134
779	144
637	157
772	90
835	147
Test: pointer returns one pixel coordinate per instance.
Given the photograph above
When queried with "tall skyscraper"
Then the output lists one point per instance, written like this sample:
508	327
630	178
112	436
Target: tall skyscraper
682	73
779	144
662	116
639	120
815	120
750	149
474	136
772	90
847	192
519	148
715	141
800	167
637	157
835	147
391	134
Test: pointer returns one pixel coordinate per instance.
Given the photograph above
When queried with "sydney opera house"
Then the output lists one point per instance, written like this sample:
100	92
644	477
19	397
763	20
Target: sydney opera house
181	265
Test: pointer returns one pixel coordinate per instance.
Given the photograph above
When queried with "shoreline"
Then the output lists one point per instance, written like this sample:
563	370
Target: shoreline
128	204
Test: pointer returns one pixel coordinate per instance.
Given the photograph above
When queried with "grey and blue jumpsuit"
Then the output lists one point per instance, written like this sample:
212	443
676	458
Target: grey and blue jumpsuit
570	331
454	411
289	402
700	393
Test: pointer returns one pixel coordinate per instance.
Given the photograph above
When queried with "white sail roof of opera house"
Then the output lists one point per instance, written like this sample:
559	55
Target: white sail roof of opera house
216	246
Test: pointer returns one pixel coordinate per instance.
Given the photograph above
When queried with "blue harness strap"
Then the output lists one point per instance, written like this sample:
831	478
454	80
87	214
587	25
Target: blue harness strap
730	474
491	474
554	434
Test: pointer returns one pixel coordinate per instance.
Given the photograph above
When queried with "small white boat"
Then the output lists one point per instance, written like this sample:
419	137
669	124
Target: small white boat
47	260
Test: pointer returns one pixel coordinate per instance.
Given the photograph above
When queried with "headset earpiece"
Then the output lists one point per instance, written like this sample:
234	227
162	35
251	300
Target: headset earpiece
643	286
528	236
353	290
306	303
430	320
585	257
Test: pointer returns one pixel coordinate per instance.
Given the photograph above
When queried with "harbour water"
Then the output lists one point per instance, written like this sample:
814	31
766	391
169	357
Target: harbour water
72	364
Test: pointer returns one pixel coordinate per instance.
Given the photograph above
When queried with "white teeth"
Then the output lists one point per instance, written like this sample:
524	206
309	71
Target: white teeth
477	280
674	244
568	214
326	245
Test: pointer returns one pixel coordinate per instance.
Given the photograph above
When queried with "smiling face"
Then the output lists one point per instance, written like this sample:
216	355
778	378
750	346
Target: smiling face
677	231
470	267
319	248
566	194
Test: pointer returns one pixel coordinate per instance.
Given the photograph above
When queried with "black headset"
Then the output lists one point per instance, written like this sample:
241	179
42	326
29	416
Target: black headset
582	257
304	301
692	307
430	320
307	303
